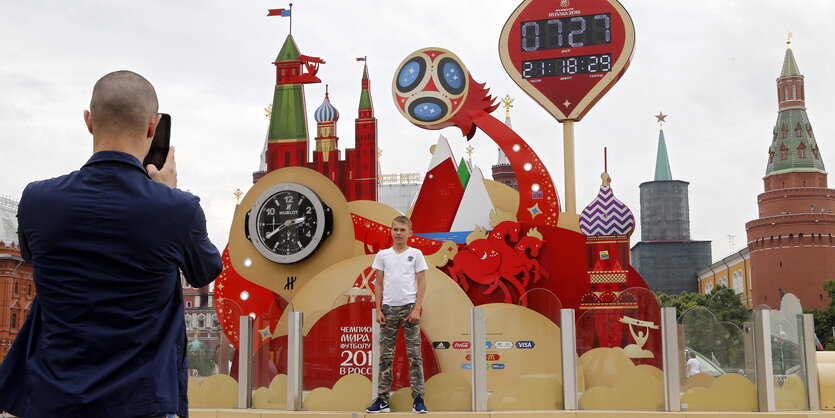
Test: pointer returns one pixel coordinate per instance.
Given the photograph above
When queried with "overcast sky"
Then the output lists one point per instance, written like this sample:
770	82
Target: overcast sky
710	64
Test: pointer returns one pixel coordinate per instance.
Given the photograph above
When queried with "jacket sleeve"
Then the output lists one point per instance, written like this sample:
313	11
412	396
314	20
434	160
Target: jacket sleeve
201	260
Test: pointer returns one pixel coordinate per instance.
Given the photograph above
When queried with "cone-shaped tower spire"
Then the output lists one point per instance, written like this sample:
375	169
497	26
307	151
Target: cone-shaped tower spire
365	95
662	162
793	145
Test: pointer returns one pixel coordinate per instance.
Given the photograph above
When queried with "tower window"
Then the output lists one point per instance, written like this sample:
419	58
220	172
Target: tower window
783	131
815	153
784	152
801	150
774	136
13	323
794	91
29	289
798	131
15	288
770	157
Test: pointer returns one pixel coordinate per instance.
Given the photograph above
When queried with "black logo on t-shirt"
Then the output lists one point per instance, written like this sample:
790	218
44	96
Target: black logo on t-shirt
411	258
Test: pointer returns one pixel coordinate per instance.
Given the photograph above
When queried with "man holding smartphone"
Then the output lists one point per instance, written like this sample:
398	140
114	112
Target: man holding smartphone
105	336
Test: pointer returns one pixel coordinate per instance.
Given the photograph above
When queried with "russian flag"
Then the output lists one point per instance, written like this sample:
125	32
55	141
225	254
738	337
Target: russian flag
279	12
361	59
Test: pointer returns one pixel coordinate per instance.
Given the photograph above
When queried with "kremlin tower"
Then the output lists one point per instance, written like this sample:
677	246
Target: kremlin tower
666	257
791	244
502	170
287	137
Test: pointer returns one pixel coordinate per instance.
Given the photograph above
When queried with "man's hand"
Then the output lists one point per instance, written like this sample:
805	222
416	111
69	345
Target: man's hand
168	174
381	319
414	316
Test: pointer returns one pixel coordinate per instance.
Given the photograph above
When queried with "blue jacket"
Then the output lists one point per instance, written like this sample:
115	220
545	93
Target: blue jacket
106	335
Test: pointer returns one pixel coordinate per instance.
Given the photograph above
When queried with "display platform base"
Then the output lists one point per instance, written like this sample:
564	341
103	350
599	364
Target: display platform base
261	413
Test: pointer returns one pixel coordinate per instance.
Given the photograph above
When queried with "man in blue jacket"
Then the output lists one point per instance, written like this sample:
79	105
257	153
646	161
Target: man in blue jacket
106	336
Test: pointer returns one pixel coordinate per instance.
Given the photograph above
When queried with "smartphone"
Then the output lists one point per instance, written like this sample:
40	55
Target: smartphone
159	147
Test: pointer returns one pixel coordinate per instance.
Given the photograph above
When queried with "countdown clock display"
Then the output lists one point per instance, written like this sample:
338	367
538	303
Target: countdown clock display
566	54
288	223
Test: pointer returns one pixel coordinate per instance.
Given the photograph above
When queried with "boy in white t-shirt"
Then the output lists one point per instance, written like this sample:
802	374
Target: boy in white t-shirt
398	291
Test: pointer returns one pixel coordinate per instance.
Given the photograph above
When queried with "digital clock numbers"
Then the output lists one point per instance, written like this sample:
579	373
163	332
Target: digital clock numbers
567	66
567	32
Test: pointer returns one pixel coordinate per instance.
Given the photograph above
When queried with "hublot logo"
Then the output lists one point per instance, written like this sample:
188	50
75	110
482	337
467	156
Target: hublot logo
288	212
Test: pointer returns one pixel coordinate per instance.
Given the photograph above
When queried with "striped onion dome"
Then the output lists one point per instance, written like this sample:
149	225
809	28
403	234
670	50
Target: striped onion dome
606	215
326	112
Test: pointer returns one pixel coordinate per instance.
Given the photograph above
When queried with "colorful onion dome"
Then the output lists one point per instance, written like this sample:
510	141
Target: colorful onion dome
326	112
606	215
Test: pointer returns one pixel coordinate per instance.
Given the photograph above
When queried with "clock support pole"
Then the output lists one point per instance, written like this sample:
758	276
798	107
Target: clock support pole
568	158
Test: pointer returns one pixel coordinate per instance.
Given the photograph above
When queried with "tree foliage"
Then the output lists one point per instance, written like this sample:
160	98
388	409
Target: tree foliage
825	318
712	324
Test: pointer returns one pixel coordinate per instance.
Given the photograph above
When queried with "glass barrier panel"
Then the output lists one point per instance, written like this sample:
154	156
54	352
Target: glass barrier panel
210	348
619	348
788	356
524	368
714	375
269	358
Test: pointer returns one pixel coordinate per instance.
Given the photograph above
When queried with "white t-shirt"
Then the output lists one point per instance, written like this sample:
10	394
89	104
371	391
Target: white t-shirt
693	367
399	274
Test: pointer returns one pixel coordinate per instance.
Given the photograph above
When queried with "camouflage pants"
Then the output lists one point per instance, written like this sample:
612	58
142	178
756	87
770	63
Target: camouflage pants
395	316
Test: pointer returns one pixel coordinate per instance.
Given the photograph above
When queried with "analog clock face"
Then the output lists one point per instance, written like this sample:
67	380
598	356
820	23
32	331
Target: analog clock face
288	223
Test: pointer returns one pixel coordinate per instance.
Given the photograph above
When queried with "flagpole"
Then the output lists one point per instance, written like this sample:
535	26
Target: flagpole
291	18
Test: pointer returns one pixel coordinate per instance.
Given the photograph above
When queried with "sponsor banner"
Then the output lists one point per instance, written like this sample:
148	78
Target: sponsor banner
467	366
461	345
503	345
497	366
524	344
489	345
493	357
440	345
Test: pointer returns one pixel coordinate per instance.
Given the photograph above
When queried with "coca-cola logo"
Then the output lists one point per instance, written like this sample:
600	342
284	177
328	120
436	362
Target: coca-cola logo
461	344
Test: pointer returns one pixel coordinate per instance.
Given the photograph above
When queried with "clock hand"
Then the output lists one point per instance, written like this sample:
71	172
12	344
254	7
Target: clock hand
282	226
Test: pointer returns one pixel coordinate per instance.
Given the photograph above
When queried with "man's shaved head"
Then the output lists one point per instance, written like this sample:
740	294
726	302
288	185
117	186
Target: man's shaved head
123	101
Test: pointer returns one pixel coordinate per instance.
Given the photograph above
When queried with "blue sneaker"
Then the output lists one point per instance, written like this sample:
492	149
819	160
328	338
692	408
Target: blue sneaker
418	407
379	405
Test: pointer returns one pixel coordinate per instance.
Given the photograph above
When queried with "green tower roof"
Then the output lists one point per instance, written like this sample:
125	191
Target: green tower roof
793	145
789	65
793	149
289	51
662	163
365	95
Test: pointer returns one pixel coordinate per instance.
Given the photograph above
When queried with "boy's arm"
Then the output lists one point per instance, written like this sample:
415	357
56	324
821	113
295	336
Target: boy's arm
378	296
420	278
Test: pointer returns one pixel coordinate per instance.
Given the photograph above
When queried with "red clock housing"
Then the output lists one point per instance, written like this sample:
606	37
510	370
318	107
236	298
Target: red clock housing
567	54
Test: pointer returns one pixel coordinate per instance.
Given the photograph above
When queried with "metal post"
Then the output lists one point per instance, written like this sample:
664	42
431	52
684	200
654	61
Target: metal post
750	355
672	366
478	354
568	336
295	360
765	369
812	388
568	169
375	354
245	363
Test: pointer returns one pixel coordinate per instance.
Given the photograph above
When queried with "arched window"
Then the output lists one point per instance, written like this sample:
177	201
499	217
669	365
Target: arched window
784	152
188	304
801	150
783	131
201	321
13	323
723	281
215	322
738	285
708	287
29	289
15	287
